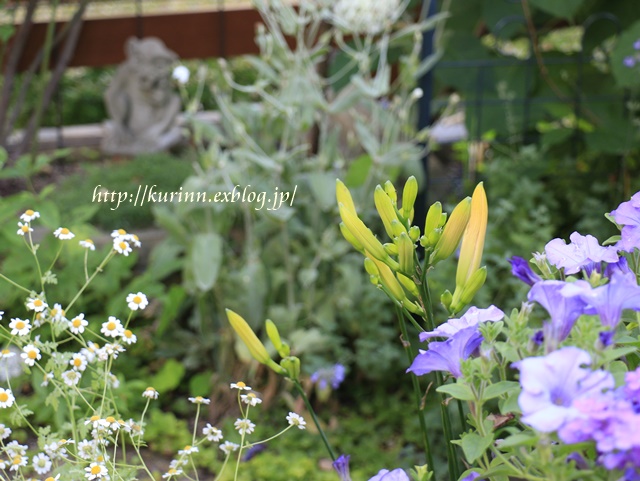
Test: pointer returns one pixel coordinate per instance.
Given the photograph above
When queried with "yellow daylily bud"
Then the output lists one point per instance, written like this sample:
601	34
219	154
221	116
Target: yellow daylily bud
408	284
397	228
385	209
370	267
375	280
391	249
246	334
434	215
473	238
350	238
446	298
390	189
463	295
452	232
365	237
389	281
272	332
406	251
443	219
343	196
292	365
409	195
414	233
413	307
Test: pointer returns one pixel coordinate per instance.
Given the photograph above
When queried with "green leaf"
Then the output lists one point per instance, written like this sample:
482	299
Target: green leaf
520	439
358	171
205	259
323	187
169	377
563	9
500	388
617	353
473	445
172	302
457	391
200	384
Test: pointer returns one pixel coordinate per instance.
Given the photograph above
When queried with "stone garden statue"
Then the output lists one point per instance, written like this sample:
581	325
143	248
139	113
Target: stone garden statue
141	102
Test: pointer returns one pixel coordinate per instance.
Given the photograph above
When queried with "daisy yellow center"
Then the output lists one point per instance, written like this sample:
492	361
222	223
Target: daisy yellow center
110	419
4	397
37	303
88	241
64	231
29	212
241	384
6	351
100	459
54	312
24	228
94	418
96	470
19	325
251	395
122	232
123	245
76	322
77	362
128	333
137	299
150	389
198	398
172	471
111	326
17	460
32	354
187	447
50	479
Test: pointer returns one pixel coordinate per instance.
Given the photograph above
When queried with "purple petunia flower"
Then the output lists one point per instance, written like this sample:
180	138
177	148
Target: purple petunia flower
629	238
472	317
521	269
581	251
564	310
551	384
608	301
628	213
395	475
636	44
471	476
341	465
447	355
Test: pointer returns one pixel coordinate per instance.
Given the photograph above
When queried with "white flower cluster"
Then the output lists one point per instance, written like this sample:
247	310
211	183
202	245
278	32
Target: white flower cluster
365	16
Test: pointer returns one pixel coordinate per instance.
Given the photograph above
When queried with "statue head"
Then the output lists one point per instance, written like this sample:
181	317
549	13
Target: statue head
151	62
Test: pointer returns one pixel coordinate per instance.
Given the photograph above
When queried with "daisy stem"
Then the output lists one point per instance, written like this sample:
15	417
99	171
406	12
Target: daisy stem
35	256
144	411
86	265
195	424
315	419
2	276
144	465
224	465
95	273
55	258
235	475
250	445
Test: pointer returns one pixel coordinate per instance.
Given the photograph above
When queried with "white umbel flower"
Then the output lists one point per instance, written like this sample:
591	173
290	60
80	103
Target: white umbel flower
365	16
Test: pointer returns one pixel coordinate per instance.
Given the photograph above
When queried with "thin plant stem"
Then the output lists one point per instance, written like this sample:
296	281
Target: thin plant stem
98	269
14	284
416	390
315	419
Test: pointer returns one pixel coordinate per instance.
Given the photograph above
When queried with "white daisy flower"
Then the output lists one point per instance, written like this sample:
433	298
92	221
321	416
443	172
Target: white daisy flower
77	324
90	352
188	450
63	233
29	215
96	471
150	393
23	229
56	450
19	327
18	462
35	304
87	244
112	328
172	472
47	377
251	399
16	449
296	420
1	314
240	386
200	400
212	433
132	239
118	233
180	74
5	432
57	313
228	447
51	478
115	382
30	354
137	301
176	463
129	337
121	246
87	449
112	350
244	426
41	463
6	354
71	378
78	362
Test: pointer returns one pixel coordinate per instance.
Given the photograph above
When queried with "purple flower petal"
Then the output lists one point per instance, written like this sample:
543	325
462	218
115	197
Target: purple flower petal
472	317
564	310
581	251
341	465
395	475
520	268
628	213
447	355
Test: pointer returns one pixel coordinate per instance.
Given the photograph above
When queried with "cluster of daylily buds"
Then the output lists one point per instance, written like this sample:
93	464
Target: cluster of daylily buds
394	266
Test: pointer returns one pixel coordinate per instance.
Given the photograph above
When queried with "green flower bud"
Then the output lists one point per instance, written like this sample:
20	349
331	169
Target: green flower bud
446	298
406	251
414	233
409	195
434	216
390	189
452	232
385	209
292	365
391	249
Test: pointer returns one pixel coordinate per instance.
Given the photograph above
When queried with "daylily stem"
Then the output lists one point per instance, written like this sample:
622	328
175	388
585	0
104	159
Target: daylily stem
315	419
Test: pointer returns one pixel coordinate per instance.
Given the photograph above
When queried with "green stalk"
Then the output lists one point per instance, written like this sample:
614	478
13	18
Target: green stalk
315	419
416	389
